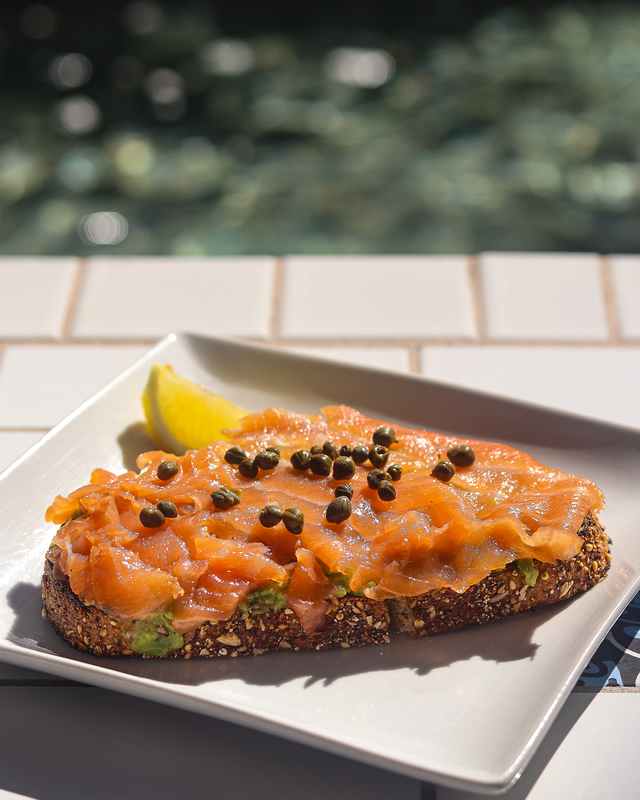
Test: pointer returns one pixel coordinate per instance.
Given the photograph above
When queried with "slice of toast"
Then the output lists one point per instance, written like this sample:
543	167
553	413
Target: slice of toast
350	622
506	592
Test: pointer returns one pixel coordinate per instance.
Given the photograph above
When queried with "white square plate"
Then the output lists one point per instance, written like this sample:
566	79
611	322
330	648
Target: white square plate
465	709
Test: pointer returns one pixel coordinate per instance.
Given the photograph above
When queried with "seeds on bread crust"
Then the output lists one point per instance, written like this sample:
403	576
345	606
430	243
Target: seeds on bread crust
350	621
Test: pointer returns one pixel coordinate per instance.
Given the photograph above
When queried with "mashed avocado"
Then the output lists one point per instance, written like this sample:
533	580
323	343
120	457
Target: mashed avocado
155	636
525	565
267	598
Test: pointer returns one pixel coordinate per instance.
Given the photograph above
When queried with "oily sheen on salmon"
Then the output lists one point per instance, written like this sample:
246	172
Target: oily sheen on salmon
210	559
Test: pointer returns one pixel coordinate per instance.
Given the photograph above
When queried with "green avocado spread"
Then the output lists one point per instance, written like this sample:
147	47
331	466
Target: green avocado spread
155	636
525	565
267	598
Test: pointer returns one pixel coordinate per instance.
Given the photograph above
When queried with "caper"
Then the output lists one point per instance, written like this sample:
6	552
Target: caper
329	449
224	498
301	460
248	468
375	476
293	520
360	454
237	491
272	449
386	491
378	455
316	450
270	516
443	471
168	508
339	510
395	472
345	450
343	490
385	436
320	464
151	517
343	468
168	470
77	513
461	455
235	455
267	460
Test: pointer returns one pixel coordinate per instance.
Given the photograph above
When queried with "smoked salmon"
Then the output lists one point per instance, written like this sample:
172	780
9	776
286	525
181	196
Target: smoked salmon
202	563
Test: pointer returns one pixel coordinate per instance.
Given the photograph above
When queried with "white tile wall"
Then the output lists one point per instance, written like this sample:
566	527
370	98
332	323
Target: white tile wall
543	296
596	381
34	294
14	443
626	283
395	358
374	297
147	298
41	384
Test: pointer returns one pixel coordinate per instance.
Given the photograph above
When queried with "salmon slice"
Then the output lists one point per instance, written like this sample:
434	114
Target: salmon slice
204	563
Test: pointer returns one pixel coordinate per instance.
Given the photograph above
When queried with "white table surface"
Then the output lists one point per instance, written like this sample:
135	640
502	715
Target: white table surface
562	330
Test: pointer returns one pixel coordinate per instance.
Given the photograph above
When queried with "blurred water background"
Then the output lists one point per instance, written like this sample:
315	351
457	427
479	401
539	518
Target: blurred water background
254	128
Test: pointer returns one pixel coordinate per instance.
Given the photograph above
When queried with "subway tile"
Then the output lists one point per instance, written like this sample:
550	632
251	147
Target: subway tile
74	371
601	382
13	444
543	296
35	294
375	297
626	285
393	358
150	297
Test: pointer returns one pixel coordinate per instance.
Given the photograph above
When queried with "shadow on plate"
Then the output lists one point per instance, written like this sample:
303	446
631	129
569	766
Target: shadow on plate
134	440
501	641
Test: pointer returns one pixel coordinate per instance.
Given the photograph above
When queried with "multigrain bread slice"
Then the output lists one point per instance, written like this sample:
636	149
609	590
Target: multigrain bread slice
350	622
506	592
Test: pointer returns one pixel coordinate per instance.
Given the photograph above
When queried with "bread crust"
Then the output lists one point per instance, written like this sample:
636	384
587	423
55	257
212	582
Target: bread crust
350	622
505	593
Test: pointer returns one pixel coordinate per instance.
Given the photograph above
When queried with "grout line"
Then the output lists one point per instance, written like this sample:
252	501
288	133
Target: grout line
23	429
276	301
72	307
445	342
475	278
78	342
414	358
610	306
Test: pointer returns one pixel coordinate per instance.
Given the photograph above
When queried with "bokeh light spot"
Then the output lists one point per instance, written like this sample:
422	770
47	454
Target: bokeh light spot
77	115
81	171
164	86
103	227
356	66
70	71
134	155
228	57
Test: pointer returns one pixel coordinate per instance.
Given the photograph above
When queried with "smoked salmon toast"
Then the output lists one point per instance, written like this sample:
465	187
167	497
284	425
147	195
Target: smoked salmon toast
315	531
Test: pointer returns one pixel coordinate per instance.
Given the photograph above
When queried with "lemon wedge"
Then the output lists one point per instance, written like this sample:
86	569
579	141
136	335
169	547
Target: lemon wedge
182	415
